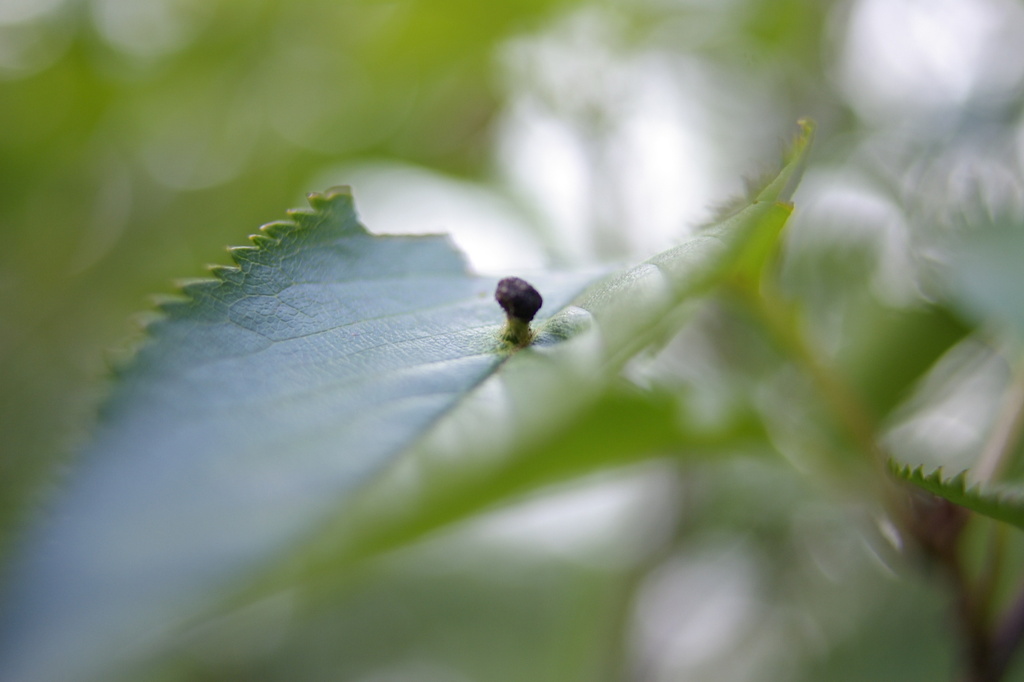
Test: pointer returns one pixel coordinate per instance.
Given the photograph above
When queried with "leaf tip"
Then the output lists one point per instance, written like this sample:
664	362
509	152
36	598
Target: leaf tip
803	137
337	199
334	207
328	195
263	241
226	273
277	229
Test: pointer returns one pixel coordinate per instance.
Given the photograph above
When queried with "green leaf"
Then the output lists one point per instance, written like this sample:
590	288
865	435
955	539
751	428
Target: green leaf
623	426
1003	504
263	398
984	277
774	187
887	351
268	395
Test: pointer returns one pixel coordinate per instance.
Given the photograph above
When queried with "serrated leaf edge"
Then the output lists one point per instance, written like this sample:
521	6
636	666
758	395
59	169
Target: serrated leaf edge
1002	505
188	292
191	291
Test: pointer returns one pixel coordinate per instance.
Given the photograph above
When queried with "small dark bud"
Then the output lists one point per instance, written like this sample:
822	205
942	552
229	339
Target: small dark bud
519	300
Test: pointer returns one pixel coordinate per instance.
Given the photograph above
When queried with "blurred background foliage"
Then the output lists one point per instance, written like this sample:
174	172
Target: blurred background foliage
139	137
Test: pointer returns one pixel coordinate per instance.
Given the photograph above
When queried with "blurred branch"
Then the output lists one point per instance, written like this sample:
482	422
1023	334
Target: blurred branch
992	570
1007	638
976	640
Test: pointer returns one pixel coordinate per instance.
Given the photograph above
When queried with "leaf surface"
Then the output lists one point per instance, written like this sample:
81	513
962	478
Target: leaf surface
263	397
268	395
984	277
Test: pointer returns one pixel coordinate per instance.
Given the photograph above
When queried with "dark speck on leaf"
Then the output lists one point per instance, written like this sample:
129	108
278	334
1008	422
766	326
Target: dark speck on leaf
518	299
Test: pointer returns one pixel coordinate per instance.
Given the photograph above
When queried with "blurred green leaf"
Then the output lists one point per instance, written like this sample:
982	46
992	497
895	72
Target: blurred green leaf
984	278
448	605
1003	503
624	426
887	350
776	188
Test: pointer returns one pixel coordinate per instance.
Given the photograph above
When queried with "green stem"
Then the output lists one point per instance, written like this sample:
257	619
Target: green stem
992	571
1008	637
977	639
517	333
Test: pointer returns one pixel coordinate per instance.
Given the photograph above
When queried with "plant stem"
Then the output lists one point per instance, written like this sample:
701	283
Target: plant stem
517	333
993	569
1008	637
977	641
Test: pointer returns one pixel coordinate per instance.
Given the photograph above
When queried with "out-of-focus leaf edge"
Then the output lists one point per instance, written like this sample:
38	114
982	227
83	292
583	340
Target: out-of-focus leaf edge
783	185
761	245
1002	504
624	427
